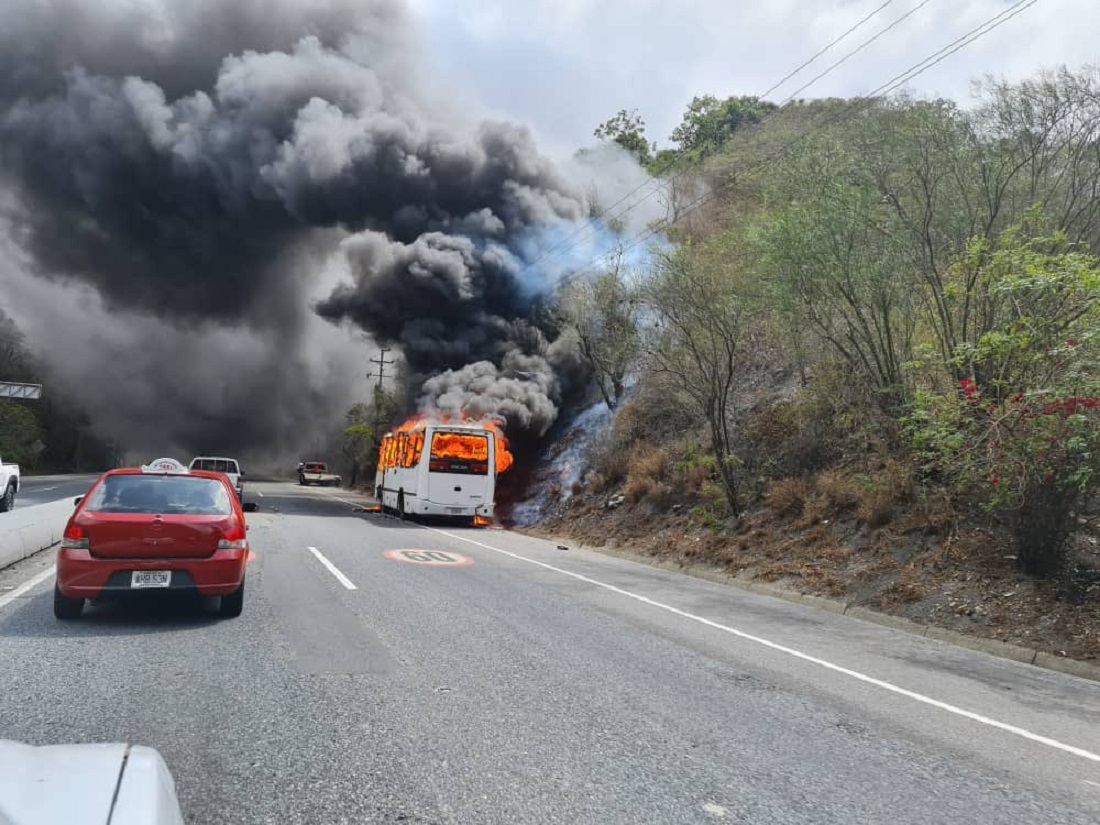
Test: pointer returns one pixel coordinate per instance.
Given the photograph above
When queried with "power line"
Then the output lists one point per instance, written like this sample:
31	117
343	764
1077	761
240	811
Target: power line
591	230
807	63
588	228
870	98
858	49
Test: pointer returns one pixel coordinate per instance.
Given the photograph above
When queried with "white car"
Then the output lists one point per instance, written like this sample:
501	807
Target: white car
218	464
112	784
9	485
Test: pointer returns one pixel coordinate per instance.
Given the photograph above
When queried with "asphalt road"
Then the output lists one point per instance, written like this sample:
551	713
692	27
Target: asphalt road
42	489
534	684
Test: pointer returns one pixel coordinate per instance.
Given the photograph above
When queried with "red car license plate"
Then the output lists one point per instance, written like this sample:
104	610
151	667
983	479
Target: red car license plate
150	578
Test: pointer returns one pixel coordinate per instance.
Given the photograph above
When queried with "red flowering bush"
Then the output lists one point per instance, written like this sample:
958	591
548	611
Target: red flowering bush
1021	430
1031	460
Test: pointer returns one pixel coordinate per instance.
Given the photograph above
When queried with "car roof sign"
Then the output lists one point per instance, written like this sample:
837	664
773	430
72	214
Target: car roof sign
166	466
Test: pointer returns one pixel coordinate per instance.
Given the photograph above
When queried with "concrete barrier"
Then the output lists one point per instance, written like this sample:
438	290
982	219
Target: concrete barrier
26	530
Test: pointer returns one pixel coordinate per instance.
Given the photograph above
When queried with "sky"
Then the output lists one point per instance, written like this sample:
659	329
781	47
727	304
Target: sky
564	66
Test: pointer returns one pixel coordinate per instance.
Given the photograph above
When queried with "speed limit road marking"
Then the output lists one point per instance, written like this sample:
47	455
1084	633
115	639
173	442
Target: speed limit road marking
432	558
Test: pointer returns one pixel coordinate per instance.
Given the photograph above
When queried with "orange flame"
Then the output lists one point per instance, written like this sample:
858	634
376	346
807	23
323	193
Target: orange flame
457	445
504	455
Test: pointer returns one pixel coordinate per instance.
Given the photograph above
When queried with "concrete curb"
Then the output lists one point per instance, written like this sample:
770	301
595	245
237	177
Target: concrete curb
29	530
993	647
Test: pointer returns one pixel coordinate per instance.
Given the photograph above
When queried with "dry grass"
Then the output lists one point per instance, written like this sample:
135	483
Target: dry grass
647	467
787	497
839	493
597	482
882	491
640	487
694	479
829	584
834	553
876	508
647	461
879	567
814	579
907	589
780	570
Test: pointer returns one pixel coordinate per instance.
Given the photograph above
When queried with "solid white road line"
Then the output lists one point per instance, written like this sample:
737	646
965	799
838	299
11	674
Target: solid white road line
340	577
33	582
345	501
42	489
854	674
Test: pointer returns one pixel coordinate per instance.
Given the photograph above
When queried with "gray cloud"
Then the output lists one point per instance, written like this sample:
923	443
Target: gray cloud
563	68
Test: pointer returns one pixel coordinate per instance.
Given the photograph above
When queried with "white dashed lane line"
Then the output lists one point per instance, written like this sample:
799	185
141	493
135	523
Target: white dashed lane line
333	569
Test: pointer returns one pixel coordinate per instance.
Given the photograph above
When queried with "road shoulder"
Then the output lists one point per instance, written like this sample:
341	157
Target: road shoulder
1050	660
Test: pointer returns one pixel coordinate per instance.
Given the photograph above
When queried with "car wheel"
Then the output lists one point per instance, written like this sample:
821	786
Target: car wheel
7	501
232	605
64	607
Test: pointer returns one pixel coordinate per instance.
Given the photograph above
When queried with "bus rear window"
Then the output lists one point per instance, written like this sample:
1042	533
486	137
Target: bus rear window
215	465
459	453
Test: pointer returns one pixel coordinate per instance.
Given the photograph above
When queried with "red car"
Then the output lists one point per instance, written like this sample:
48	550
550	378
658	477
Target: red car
154	527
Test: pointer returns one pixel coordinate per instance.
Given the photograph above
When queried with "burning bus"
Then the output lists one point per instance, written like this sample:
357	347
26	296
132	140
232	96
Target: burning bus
440	469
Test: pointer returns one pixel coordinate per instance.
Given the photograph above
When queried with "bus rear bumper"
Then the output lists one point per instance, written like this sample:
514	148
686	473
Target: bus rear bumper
430	508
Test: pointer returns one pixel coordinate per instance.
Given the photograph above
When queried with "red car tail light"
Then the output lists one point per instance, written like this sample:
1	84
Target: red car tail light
234	539
75	538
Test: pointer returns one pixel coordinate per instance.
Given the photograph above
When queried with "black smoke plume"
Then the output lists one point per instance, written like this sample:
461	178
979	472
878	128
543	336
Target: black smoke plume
185	180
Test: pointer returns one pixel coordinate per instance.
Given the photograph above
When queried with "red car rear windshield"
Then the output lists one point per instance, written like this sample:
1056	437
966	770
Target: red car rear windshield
183	495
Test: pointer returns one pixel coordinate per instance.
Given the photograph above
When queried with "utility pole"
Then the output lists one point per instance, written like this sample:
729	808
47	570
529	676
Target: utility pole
382	364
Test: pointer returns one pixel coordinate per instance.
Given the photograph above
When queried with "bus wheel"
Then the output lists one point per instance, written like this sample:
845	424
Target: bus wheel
401	504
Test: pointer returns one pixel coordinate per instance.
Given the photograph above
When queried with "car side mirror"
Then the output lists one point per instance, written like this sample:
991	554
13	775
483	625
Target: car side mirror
250	507
77	500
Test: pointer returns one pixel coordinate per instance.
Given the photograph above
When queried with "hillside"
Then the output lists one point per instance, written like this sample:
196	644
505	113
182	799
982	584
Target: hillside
865	364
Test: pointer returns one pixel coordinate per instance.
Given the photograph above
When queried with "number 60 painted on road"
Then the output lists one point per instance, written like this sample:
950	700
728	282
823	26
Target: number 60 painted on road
433	558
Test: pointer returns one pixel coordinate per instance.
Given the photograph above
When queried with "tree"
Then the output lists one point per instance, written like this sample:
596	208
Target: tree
603	314
364	425
14	358
696	342
18	431
628	130
358	441
709	122
832	265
